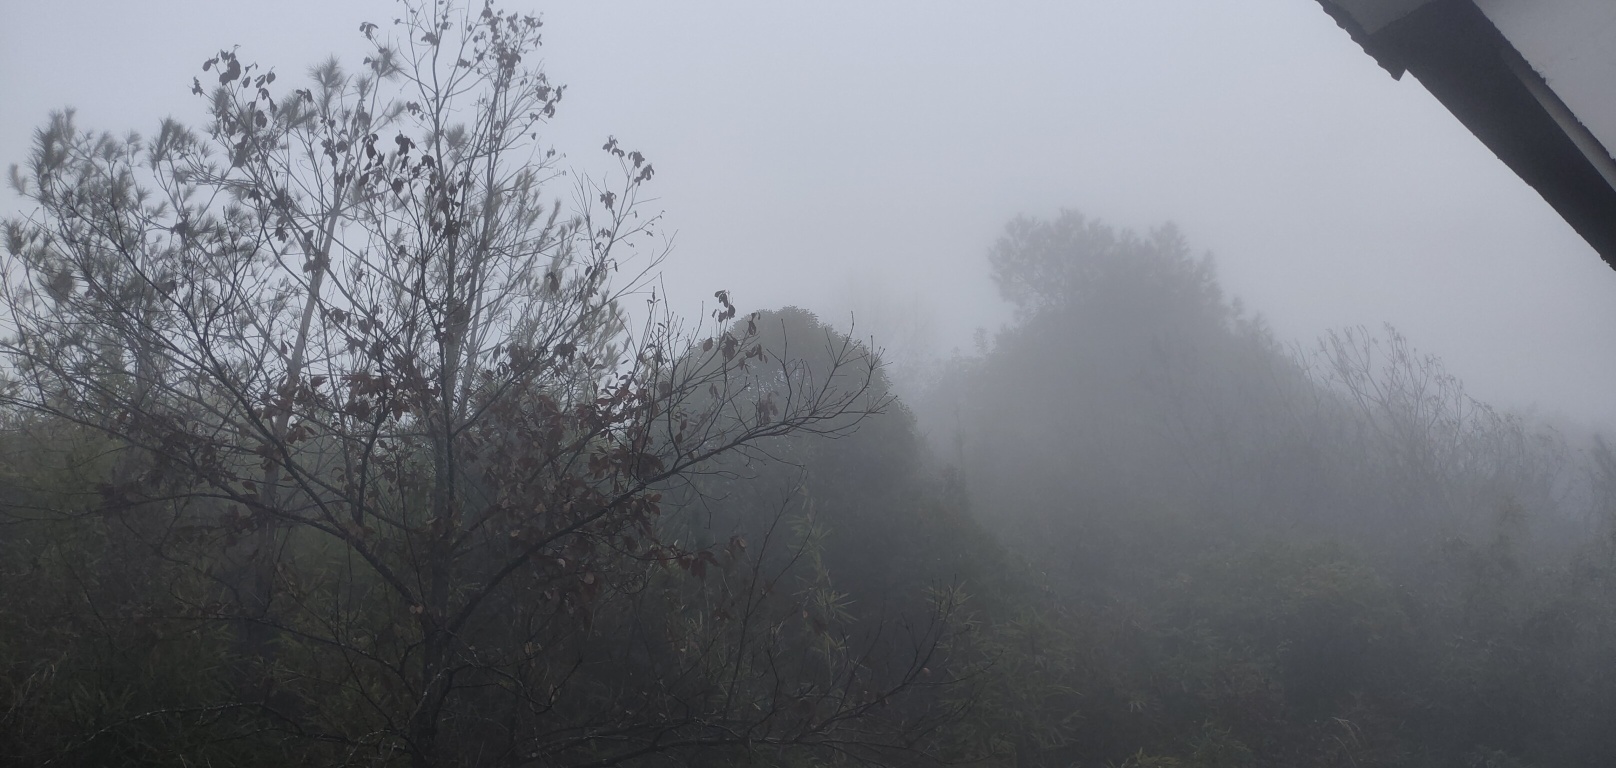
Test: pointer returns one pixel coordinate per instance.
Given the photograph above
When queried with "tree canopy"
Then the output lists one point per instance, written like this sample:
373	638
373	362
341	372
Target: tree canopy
331	435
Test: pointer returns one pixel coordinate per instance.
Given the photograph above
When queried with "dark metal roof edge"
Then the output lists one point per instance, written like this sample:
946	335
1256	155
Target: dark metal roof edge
1461	57
1344	19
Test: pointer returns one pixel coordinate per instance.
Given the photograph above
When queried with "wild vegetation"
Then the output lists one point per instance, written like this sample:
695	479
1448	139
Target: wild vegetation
330	438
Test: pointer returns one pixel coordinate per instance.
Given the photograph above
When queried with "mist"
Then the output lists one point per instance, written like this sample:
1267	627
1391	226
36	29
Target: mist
1145	384
826	158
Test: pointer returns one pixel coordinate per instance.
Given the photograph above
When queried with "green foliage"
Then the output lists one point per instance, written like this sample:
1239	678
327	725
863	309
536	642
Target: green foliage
1239	555
327	442
387	461
103	657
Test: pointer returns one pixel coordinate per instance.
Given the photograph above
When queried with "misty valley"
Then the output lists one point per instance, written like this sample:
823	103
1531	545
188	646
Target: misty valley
347	426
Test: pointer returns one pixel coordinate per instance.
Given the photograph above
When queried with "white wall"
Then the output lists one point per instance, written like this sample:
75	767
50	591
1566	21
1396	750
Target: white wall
1572	44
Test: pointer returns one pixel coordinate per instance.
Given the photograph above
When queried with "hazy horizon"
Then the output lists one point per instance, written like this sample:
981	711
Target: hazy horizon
860	161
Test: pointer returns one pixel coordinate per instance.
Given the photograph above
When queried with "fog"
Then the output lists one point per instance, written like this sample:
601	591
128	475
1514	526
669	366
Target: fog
856	159
1137	385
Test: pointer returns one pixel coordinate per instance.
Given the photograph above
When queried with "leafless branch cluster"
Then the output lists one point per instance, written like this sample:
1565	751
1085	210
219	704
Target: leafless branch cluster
379	393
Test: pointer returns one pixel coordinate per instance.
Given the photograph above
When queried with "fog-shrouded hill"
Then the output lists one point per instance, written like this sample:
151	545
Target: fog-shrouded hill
1129	365
342	428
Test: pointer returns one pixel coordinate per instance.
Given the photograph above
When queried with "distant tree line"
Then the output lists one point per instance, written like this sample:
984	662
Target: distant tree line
330	437
1234	553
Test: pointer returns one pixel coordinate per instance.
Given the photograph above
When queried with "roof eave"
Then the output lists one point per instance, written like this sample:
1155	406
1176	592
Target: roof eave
1471	67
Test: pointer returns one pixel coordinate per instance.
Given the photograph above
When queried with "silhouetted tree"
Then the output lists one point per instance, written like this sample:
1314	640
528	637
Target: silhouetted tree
366	383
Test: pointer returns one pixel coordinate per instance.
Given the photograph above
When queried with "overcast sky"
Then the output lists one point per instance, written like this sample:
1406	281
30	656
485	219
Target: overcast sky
863	156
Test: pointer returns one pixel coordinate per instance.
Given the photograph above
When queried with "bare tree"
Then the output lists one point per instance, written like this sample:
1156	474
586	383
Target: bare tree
1443	452
377	387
